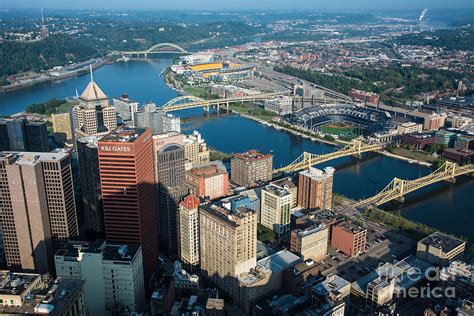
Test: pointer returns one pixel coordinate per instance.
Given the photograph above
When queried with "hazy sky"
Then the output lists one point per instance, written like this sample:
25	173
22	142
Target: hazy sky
317	5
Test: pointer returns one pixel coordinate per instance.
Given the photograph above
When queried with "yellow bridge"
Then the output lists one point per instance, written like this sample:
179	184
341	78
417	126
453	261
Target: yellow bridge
398	188
306	160
188	102
154	50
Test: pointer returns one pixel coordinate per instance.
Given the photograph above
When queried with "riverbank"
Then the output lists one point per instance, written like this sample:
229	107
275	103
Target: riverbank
291	131
407	159
45	78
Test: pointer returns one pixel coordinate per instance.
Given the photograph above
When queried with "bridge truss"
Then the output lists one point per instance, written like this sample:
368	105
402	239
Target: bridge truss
306	160
188	102
398	188
152	50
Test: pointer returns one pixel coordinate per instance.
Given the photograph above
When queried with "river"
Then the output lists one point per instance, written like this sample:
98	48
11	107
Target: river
443	205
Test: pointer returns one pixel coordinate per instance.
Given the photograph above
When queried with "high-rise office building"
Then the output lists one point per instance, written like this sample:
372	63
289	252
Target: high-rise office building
4	139
168	151
17	134
250	167
37	136
38	208
228	245
113	275
275	209
315	188
22	135
195	149
93	115
289	185
158	120
128	191
125	107
189	232
62	127
89	176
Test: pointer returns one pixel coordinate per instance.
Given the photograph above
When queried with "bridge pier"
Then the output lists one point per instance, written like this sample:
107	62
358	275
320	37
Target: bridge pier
451	180
357	156
400	200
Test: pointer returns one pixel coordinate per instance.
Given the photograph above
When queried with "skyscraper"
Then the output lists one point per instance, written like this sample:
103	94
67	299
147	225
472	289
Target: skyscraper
189	231
228	245
38	212
17	135
62	127
93	115
89	176
21	135
128	191
37	136
315	188
158	120
250	167
168	151
125	107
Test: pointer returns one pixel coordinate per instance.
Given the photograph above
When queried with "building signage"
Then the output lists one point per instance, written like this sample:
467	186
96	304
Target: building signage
115	149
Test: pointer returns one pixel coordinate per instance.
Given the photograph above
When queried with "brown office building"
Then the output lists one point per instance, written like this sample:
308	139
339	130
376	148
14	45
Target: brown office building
169	161
128	191
315	188
37	207
250	167
228	245
349	238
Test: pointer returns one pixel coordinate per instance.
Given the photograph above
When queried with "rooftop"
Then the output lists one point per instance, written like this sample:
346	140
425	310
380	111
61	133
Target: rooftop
47	297
286	183
16	283
441	241
110	251
350	227
276	190
90	141
226	215
317	174
279	261
252	155
190	202
124	135
332	283
31	158
207	171
93	93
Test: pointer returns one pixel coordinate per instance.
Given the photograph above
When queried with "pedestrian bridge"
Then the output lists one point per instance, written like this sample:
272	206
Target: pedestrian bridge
398	188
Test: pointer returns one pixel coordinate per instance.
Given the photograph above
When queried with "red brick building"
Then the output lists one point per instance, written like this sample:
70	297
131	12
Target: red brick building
349	238
208	181
418	141
128	190
365	96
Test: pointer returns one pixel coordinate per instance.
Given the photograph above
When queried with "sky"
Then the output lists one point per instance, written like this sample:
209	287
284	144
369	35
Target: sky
317	5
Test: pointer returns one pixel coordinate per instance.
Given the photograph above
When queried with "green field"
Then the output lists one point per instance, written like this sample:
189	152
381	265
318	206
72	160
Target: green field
340	129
